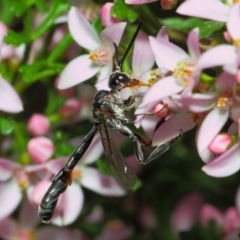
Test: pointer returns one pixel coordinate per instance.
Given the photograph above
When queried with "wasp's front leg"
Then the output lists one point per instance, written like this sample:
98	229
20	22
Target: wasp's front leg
129	103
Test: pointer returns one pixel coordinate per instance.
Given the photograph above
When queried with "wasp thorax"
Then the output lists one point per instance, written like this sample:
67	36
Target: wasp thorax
101	56
183	72
118	80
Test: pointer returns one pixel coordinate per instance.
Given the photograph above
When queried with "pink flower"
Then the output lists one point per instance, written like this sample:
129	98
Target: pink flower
173	58
209	9
99	61
38	125
117	230
26	227
186	213
68	208
105	15
14	179
40	149
228	221
227	105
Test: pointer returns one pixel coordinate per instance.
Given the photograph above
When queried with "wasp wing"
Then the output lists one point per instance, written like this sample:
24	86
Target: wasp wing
120	168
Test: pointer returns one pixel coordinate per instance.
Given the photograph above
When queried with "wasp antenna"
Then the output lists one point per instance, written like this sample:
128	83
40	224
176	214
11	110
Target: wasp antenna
116	67
130	45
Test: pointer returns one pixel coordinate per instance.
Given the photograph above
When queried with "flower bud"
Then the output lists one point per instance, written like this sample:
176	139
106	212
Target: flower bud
220	144
161	110
38	125
227	37
71	108
40	149
168	4
105	15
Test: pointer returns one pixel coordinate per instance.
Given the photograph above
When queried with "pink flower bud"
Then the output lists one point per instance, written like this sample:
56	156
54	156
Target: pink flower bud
161	110
168	4
71	108
38	125
232	220
40	149
209	212
105	15
227	37
220	143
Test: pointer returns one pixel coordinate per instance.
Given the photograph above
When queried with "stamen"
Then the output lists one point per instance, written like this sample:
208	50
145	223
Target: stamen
236	43
101	56
184	72
222	102
76	174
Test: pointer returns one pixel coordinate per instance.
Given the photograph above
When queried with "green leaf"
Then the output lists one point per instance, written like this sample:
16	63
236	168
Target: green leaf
122	11
60	48
40	70
6	126
19	7
16	38
58	7
96	23
207	27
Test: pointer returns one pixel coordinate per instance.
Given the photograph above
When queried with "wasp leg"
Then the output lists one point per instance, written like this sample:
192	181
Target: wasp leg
61	181
138	140
159	150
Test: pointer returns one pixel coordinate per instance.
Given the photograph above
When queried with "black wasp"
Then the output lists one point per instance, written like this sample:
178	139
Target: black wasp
108	113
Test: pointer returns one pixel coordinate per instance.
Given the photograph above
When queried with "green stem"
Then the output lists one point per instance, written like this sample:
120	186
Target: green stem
152	19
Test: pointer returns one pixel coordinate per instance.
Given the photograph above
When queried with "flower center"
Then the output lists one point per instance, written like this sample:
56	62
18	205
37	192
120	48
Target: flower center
183	72
236	43
25	235
157	74
101	56
224	102
76	174
235	1
22	178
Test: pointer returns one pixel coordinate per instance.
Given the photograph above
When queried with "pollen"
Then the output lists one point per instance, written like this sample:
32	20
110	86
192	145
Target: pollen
236	43
76	174
25	235
101	56
235	1
222	102
22	179
183	72
156	74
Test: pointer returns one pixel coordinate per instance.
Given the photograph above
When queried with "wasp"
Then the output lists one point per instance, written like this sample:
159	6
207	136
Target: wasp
108	111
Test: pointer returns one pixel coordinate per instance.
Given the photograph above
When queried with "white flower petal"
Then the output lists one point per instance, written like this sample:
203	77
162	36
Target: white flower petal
9	99
226	164
10	197
82	31
209	128
172	127
162	89
209	9
72	205
102	184
77	71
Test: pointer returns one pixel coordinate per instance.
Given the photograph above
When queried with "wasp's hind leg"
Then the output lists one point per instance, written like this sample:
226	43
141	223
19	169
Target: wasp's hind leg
159	150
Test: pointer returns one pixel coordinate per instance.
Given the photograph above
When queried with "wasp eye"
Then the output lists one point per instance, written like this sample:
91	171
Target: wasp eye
118	80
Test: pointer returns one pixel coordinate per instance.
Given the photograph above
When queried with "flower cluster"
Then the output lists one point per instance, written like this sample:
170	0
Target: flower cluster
187	66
